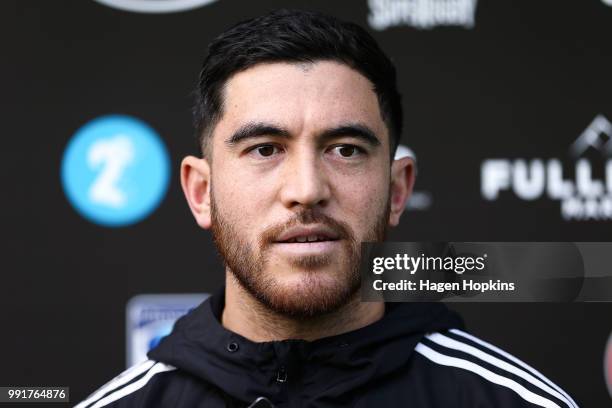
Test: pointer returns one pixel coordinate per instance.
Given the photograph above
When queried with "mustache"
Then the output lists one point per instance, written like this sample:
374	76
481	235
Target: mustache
303	218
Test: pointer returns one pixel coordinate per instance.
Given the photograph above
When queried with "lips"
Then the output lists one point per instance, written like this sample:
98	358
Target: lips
309	238
307	235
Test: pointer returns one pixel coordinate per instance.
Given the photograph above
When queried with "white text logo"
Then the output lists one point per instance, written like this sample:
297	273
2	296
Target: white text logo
583	196
421	14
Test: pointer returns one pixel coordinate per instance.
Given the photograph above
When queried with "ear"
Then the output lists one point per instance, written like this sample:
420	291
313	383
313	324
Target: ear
403	172
195	180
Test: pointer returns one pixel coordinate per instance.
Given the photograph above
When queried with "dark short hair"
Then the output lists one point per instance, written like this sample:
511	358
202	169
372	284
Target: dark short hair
293	36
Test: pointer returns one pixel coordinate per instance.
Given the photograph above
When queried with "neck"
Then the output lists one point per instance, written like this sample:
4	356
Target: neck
245	315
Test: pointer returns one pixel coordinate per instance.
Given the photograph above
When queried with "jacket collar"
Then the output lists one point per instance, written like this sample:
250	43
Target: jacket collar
326	368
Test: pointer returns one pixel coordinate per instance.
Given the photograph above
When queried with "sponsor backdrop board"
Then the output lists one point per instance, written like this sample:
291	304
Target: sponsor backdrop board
508	109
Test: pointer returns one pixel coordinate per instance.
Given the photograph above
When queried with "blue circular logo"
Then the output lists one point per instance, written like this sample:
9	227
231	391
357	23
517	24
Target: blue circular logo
115	170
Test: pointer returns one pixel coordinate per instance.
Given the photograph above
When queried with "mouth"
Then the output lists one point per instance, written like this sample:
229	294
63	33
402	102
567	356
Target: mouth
308	248
302	241
308	234
306	239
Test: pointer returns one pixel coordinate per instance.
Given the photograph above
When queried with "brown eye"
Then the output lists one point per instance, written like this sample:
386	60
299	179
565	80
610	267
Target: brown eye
348	150
266	151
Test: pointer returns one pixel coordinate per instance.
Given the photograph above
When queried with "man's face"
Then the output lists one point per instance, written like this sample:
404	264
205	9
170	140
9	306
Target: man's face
300	176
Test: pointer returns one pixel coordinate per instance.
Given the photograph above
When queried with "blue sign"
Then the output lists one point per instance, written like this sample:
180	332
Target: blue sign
115	170
151	317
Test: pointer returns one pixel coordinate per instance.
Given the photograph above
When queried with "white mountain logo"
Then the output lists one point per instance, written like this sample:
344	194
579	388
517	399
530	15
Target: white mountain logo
598	135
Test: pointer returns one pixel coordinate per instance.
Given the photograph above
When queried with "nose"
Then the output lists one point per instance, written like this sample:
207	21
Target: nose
305	182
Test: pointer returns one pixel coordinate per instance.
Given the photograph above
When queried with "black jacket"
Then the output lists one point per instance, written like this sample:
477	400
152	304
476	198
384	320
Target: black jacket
415	356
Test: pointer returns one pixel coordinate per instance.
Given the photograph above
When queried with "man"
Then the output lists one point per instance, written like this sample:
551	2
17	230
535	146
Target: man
298	117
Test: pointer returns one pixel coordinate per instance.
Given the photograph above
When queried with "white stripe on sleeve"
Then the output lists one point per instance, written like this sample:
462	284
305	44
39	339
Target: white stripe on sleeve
117	382
515	360
486	374
457	345
135	386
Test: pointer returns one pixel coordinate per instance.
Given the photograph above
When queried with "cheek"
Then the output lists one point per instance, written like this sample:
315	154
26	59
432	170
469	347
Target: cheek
363	201
241	197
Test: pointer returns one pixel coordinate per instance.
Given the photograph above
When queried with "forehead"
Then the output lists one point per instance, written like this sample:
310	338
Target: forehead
301	97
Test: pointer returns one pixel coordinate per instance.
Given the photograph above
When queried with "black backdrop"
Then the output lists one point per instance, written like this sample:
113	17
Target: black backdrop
523	82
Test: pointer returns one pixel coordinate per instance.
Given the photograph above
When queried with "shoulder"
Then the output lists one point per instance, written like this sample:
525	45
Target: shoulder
484	374
127	385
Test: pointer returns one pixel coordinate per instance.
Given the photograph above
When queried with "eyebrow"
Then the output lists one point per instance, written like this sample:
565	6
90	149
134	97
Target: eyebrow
256	129
356	130
253	130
